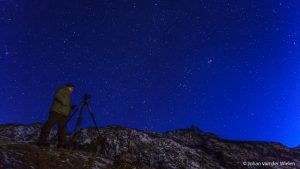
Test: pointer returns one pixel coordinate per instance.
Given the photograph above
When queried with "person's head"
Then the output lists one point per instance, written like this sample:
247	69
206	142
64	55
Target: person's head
70	87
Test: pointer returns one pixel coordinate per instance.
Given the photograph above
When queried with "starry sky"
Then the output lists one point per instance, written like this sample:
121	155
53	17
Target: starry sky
230	67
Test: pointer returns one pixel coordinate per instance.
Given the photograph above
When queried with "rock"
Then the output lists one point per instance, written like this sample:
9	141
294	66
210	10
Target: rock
121	147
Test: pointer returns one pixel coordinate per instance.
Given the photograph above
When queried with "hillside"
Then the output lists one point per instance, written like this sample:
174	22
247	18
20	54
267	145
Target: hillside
121	147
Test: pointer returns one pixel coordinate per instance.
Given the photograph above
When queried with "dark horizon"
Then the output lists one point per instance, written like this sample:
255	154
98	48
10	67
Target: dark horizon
230	68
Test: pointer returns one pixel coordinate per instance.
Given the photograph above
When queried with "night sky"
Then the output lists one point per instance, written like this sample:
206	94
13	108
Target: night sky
230	67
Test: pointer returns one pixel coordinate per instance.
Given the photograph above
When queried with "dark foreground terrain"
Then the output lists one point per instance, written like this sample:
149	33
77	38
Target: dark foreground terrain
125	148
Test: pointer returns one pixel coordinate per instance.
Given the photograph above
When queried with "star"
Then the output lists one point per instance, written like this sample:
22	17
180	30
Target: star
209	61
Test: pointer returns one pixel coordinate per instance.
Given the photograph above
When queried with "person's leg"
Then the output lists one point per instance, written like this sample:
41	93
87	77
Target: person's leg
62	131
52	119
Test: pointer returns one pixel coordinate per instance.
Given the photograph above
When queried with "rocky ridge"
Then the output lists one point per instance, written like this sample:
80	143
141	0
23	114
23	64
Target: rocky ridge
122	147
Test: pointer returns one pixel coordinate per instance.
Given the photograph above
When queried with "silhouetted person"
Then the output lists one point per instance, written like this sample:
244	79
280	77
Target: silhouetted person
58	114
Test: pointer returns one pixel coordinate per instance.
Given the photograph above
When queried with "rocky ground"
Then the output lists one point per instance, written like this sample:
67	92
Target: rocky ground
124	148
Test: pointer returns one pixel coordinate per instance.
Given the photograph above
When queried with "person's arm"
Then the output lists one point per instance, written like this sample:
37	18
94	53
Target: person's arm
59	97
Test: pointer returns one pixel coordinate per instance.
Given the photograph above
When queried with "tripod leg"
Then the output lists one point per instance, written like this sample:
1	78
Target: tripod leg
93	118
79	119
74	112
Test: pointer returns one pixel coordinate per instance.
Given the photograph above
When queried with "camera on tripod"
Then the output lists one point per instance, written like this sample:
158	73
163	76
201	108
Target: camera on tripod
84	103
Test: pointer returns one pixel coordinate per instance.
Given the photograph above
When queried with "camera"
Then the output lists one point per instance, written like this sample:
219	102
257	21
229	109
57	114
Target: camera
87	97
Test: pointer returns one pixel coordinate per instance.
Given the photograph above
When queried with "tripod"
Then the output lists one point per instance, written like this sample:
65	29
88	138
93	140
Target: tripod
84	103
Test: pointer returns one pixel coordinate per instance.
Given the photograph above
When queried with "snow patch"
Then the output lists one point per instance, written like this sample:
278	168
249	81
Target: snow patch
98	165
87	141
